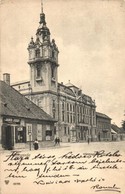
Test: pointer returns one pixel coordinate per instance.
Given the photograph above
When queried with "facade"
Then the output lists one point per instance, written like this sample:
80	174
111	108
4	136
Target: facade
118	134
21	121
75	111
103	127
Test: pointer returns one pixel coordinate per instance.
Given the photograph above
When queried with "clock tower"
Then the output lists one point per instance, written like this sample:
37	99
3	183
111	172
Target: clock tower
43	59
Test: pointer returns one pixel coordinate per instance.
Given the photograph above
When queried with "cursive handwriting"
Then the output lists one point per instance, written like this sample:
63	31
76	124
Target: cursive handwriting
106	188
70	167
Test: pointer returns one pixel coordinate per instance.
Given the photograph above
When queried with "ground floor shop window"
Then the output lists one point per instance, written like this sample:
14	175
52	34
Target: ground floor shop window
29	132
20	134
48	132
39	132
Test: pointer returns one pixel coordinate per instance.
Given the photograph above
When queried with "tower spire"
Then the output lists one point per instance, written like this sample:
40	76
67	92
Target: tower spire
42	15
41	6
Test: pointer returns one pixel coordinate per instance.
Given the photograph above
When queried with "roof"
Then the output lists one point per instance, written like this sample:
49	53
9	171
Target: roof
65	89
15	104
98	114
71	85
113	131
20	82
117	129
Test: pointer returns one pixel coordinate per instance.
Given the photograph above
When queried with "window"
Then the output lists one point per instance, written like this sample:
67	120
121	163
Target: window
71	117
29	132
52	72
68	117
77	109
37	52
54	104
70	107
54	109
63	117
62	105
80	109
54	114
77	118
39	132
68	131
48	132
38	71
67	107
45	52
53	54
64	130
20	134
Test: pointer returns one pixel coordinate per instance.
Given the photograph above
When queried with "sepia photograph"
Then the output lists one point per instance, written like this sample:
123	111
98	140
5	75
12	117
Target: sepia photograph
62	96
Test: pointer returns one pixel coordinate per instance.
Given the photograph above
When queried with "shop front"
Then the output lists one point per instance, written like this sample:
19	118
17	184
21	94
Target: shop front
11	132
19	133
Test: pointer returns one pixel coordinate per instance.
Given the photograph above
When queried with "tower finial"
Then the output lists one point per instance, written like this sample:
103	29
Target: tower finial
41	6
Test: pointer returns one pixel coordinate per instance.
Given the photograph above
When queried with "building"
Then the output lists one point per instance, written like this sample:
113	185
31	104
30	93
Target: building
75	111
118	134
103	127
21	121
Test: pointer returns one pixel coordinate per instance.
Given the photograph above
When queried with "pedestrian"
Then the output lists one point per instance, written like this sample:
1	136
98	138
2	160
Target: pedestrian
36	145
58	141
55	140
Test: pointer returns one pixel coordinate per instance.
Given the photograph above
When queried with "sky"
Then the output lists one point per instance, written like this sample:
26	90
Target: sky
90	35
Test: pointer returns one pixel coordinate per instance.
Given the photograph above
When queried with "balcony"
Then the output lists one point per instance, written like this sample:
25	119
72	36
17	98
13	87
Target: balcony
105	130
39	79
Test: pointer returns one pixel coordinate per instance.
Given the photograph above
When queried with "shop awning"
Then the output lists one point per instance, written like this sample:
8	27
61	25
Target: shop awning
113	132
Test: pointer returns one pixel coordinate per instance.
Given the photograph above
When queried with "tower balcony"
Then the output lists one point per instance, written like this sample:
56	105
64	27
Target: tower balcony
43	59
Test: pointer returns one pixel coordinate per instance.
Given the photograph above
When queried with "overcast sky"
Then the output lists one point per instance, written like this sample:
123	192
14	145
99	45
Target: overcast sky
90	35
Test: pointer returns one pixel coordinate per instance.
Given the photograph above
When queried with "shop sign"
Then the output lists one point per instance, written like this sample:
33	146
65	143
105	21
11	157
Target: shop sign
11	120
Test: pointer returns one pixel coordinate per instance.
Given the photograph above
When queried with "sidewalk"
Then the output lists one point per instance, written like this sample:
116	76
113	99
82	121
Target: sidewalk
44	146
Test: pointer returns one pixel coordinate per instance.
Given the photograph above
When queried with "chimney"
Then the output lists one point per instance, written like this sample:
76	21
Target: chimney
6	78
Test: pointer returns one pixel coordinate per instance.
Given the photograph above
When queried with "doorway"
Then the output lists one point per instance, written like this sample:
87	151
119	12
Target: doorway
7	137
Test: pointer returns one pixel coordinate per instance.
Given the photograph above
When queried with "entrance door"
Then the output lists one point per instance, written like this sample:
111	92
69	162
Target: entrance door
7	137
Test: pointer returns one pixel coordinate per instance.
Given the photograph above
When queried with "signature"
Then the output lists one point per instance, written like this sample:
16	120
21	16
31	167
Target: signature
99	188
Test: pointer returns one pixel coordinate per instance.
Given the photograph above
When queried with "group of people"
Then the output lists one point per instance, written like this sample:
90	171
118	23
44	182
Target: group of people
57	141
36	143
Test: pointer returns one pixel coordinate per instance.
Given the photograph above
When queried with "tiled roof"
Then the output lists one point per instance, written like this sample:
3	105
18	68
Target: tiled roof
102	115
12	103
